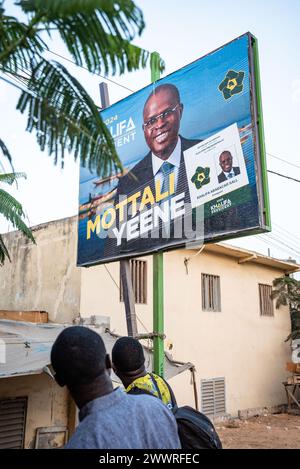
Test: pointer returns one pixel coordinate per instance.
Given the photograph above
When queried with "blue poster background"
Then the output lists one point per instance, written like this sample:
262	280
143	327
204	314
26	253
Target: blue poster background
206	111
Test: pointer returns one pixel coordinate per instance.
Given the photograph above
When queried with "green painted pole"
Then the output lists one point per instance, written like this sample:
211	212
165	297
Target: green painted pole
260	122
158	272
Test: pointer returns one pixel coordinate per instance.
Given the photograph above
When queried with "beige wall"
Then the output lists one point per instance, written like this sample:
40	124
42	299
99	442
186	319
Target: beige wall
47	404
237	343
43	276
100	296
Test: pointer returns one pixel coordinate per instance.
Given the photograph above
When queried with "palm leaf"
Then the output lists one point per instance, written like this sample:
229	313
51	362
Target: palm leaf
5	151
12	210
10	178
7	155
19	43
66	118
96	32
3	251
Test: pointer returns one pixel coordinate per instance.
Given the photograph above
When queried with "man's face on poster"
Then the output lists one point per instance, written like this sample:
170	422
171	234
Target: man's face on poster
226	161
162	114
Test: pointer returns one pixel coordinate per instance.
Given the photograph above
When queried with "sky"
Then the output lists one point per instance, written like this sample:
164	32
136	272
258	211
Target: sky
182	32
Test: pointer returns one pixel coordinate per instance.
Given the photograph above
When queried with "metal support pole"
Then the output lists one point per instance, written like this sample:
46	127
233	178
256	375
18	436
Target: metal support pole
158	272
128	298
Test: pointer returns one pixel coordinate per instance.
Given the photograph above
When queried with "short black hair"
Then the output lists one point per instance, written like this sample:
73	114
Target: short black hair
164	87
127	354
78	356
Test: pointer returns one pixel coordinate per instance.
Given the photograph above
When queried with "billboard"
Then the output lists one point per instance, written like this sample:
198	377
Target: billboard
192	148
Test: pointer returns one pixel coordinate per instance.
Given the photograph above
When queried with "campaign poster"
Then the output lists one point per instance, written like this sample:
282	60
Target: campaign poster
192	149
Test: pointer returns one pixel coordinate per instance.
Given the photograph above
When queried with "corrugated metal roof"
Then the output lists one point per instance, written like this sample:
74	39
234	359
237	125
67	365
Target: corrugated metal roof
28	347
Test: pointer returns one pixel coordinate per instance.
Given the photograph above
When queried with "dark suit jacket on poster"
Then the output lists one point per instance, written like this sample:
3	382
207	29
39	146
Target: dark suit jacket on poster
139	177
222	177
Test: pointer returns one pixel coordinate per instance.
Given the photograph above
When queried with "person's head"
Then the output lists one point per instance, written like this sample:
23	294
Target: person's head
128	359
80	362
225	161
162	114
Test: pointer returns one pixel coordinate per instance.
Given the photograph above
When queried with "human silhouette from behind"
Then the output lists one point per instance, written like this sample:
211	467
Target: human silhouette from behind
109	418
128	362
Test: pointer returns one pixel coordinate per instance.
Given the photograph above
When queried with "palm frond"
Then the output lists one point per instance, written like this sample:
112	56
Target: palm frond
64	117
5	152
12	210
96	32
10	178
3	251
19	43
122	17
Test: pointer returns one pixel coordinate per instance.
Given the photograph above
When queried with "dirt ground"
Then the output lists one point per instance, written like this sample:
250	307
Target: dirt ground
268	431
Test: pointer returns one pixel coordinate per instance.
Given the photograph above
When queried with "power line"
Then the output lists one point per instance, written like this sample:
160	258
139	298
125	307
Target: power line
283	176
284	235
271	239
84	131
282	239
278	240
287	233
269	243
24	81
285	161
11	83
93	73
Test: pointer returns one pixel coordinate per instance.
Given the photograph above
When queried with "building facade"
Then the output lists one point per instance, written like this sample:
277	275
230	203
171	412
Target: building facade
218	313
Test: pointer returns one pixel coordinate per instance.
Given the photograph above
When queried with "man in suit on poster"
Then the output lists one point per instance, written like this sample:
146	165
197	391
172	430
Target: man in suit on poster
228	171
162	114
161	121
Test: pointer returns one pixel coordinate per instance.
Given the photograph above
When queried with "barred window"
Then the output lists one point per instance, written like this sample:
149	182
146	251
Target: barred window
139	281
211	293
265	301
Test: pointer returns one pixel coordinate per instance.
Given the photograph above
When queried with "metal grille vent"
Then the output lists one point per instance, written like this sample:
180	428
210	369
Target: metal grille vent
213	396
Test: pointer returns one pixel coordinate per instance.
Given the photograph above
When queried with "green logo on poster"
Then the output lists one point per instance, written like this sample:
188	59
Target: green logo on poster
232	84
201	177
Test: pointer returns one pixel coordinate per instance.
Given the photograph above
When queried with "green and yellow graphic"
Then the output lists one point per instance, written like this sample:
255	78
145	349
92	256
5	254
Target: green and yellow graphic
201	177
232	84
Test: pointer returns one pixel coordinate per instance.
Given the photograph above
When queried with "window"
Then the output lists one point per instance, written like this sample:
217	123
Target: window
139	281
12	423
265	301
213	396
211	293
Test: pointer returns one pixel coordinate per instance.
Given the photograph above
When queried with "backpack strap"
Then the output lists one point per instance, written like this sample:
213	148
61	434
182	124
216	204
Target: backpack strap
156	386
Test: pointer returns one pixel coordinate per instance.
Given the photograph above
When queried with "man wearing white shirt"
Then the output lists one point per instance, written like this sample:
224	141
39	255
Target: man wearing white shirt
228	171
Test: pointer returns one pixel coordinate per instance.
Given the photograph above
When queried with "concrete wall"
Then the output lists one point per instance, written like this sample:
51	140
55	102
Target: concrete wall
43	276
47	404
237	343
